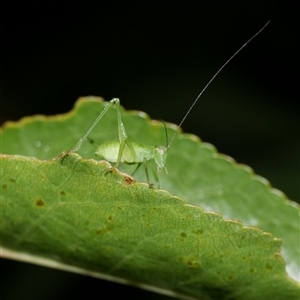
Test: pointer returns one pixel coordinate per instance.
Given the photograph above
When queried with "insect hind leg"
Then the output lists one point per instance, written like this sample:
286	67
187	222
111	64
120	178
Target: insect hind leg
123	136
95	122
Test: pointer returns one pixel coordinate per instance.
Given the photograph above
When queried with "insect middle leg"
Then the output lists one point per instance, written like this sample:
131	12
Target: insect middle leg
145	163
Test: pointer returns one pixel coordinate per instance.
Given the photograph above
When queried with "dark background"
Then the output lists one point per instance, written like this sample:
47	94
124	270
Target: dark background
156	56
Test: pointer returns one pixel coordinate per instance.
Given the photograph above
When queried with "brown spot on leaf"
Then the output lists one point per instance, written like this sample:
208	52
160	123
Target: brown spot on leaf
269	267
4	186
12	180
40	202
100	231
63	193
104	230
183	234
193	264
199	231
128	180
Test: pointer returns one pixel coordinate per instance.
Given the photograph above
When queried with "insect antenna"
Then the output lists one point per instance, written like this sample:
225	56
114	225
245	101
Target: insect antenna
167	137
211	80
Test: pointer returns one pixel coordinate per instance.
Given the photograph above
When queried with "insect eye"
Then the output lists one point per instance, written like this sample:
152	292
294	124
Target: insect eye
161	150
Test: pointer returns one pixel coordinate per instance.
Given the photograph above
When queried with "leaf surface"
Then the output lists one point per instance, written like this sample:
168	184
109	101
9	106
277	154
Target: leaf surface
83	213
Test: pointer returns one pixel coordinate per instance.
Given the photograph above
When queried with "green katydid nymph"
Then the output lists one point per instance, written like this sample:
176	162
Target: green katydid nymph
126	151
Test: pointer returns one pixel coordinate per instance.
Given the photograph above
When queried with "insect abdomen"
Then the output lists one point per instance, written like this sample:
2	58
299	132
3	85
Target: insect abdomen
110	150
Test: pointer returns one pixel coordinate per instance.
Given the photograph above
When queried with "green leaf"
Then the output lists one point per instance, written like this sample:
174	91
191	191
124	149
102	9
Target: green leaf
81	213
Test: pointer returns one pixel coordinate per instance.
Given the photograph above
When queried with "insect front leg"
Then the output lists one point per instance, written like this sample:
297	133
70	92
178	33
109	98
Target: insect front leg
145	163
